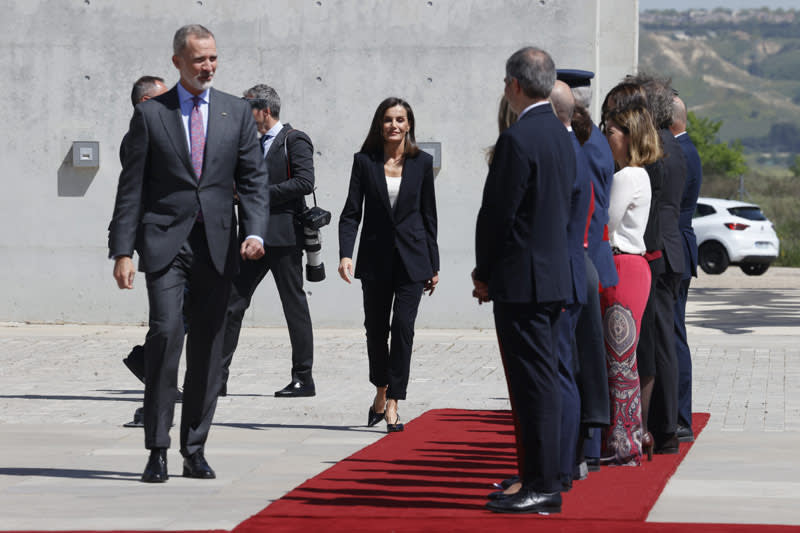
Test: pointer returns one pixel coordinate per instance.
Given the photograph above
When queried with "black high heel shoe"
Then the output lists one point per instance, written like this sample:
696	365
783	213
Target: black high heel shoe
393	428
373	417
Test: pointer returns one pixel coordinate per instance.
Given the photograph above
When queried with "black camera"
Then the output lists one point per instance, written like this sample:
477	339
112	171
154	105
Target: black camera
312	244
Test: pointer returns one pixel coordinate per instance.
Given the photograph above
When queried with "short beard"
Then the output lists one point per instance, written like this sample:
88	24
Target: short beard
200	85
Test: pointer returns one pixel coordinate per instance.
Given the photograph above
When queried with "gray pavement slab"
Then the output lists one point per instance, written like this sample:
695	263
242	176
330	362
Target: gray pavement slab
67	462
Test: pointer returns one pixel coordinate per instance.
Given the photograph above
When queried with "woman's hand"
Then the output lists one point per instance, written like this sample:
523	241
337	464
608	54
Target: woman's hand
346	269
430	285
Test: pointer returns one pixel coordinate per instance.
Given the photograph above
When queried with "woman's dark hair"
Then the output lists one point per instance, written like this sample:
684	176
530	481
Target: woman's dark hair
373	144
581	123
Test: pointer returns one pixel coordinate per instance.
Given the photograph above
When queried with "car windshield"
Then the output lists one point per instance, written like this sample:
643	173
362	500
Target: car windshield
748	212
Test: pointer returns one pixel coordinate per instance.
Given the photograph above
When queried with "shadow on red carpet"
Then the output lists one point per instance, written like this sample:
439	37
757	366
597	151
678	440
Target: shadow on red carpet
435	477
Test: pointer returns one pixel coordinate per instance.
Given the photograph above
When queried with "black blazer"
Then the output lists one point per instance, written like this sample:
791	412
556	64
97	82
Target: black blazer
410	227
159	195
287	195
669	208
521	234
694	178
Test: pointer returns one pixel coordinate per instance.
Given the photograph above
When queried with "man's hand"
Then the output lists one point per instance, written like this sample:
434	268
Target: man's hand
124	271
346	269
430	285
480	290
252	249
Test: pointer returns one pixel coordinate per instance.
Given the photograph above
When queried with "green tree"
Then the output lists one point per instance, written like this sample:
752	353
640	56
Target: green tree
717	158
795	166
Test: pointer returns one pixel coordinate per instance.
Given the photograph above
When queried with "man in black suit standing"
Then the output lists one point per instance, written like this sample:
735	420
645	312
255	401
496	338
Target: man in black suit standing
694	179
185	152
289	155
522	265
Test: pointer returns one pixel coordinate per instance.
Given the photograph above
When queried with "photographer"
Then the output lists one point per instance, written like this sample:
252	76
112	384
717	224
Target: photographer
289	182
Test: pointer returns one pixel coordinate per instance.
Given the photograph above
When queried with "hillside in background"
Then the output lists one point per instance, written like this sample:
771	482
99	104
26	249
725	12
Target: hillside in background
741	67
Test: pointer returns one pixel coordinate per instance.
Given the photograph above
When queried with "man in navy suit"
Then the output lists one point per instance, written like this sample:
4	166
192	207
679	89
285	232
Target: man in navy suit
185	152
694	178
564	105
592	377
522	265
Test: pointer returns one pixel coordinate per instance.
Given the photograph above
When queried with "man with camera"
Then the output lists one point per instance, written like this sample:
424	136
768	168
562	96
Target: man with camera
289	157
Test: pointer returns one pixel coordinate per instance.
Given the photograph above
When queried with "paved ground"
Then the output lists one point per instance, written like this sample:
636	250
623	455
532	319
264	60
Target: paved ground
66	462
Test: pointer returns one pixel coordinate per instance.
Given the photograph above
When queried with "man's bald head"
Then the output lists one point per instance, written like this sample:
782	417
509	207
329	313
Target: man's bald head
678	116
563	102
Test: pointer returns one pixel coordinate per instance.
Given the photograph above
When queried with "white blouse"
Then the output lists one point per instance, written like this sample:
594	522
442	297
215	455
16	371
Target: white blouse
393	186
628	209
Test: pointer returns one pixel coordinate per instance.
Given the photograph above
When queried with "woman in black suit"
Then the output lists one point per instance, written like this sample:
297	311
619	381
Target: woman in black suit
392	185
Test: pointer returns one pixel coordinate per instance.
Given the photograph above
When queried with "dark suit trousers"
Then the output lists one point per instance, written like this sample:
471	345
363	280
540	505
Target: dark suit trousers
399	298
286	265
528	334
684	355
591	375
206	313
570	397
663	417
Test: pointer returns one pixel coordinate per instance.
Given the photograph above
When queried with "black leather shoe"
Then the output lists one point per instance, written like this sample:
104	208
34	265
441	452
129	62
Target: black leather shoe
396	427
527	501
593	463
135	362
666	444
684	433
373	417
507	482
499	495
138	419
296	389
156	469
196	466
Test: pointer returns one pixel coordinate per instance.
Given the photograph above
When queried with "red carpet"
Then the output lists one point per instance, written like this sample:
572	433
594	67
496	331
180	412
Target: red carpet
435	477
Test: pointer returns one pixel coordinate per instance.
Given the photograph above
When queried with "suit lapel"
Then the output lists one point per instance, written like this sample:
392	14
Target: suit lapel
219	118
406	186
173	124
379	177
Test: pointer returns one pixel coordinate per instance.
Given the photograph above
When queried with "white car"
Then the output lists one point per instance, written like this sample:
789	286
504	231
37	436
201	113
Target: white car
730	232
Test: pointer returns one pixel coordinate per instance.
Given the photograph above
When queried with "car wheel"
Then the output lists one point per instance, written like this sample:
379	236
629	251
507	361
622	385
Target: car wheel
754	269
713	258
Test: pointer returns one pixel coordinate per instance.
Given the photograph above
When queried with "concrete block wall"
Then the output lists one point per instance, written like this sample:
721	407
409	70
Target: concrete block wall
71	63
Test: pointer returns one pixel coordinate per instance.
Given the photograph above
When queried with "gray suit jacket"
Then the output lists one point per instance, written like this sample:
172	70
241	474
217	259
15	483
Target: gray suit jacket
159	196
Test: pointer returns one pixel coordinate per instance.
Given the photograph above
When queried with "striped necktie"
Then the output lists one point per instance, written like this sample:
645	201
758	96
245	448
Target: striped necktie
197	136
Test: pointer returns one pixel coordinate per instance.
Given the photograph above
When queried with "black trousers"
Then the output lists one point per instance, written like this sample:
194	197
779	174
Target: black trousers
528	335
286	265
162	349
591	374
390	305
684	355
663	416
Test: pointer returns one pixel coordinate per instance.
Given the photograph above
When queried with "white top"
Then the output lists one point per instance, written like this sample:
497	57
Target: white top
393	186
628	208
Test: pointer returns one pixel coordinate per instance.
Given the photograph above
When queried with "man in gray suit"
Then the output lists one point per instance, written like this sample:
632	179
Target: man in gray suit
185	152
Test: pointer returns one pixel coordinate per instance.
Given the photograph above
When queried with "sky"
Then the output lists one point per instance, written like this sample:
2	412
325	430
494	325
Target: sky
682	5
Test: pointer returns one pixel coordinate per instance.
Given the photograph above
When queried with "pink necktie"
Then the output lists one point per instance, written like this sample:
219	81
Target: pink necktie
197	137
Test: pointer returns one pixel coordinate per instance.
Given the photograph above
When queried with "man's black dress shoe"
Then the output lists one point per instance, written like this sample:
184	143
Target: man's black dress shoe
666	444
156	469
593	463
684	433
507	482
373	417
527	501
138	419
196	466
296	389
135	362
499	495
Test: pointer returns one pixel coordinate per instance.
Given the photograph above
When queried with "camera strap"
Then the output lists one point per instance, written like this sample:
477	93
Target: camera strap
289	165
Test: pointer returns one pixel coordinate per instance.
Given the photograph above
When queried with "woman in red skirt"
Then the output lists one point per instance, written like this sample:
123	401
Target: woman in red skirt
634	143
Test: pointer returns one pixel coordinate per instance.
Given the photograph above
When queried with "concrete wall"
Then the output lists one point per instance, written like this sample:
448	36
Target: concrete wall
70	65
